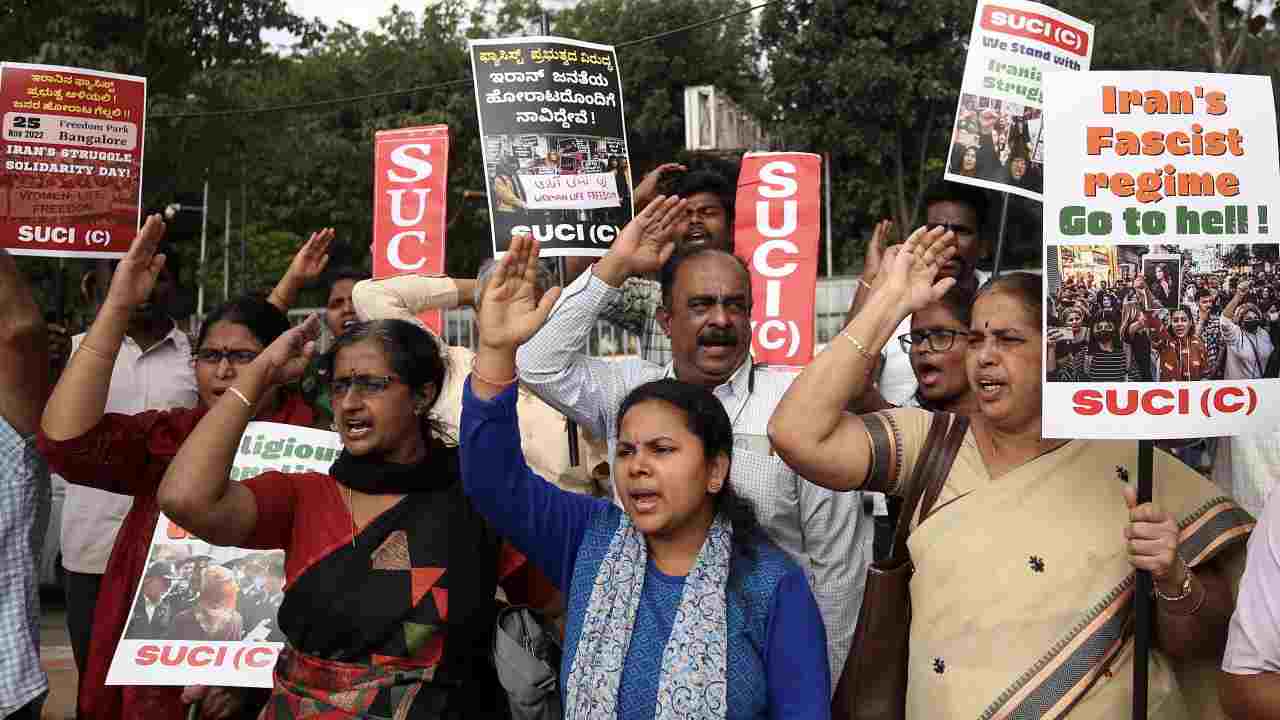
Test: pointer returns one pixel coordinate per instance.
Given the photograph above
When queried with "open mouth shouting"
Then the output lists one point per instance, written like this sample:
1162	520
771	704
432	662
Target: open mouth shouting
644	500
355	428
990	388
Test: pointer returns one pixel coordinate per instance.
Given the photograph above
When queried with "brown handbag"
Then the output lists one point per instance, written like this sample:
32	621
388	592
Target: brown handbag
873	685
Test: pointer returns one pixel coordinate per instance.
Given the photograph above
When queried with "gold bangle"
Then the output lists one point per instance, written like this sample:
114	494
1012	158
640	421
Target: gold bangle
495	383
1186	584
95	351
240	395
857	344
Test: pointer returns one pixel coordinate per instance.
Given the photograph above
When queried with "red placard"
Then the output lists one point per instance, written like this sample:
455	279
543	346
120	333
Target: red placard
776	231
410	176
71	144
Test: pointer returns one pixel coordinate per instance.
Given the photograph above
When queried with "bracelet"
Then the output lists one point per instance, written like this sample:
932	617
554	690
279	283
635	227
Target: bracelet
95	351
1204	593
1186	585
240	395
857	344
495	383
864	283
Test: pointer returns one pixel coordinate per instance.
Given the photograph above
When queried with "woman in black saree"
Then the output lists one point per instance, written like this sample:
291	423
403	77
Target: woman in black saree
389	607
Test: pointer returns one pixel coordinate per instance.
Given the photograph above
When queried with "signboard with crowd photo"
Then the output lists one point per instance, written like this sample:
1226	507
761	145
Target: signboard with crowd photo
206	615
554	142
71	145
1162	309
998	140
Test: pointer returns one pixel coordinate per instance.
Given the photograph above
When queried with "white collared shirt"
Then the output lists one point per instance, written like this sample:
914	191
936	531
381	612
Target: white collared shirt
159	378
825	532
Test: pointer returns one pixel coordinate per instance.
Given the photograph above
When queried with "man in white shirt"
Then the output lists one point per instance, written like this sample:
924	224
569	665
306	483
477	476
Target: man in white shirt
706	312
961	209
152	372
1249	686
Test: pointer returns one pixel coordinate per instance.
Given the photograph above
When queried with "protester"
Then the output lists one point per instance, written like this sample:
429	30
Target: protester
389	608
24	494
152	616
151	371
991	587
706	220
1249	685
128	453
706	311
959	208
1101	358
679	607
214	617
543	434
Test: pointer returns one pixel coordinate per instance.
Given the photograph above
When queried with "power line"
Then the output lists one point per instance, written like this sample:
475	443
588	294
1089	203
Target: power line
440	85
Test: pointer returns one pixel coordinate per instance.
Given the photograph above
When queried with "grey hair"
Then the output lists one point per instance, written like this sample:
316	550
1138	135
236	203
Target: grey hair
545	277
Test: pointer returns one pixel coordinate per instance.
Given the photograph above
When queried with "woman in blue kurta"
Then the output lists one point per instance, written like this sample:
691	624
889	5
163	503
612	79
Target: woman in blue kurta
678	606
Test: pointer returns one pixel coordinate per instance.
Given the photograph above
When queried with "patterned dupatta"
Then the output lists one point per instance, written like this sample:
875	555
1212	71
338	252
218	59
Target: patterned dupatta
1023	595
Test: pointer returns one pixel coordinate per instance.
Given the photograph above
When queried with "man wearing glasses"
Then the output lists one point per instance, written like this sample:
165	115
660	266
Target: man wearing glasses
962	210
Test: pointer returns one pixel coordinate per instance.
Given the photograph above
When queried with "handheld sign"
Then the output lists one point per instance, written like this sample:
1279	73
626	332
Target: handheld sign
71	144
776	230
554	141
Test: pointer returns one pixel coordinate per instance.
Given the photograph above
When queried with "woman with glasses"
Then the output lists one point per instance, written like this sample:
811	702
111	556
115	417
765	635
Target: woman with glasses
128	454
389	608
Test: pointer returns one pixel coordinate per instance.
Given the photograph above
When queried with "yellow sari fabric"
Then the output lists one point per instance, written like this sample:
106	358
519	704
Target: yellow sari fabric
1022	597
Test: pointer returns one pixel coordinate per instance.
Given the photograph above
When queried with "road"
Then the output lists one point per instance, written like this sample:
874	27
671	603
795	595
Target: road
55	655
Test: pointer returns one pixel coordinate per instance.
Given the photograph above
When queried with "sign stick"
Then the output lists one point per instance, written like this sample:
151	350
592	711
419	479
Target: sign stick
1142	598
1004	218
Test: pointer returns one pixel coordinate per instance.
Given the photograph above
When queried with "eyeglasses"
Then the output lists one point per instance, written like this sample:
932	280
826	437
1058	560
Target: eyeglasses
951	227
236	357
936	340
364	385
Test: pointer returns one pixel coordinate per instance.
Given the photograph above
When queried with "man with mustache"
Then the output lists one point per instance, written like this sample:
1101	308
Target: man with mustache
706	312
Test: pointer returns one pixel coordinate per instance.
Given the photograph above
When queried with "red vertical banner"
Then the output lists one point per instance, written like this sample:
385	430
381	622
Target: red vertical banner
776	230
410	177
71	144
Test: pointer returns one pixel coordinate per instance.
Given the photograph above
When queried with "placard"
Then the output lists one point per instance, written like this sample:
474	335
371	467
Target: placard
1159	206
204	614
71	145
777	224
555	148
997	140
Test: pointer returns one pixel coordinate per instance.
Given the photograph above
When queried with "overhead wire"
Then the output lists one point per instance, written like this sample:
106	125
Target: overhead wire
312	104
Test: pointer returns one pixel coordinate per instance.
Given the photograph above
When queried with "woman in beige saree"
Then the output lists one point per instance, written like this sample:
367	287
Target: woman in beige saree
1024	572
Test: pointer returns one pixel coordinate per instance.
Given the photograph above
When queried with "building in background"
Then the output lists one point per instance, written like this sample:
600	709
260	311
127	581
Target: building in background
713	121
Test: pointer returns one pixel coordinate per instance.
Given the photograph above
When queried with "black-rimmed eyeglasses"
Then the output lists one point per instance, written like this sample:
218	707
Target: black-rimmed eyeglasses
932	340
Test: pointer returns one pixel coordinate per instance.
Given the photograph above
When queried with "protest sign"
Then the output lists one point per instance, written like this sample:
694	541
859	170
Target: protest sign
71	165
997	140
410	179
1157	225
776	228
206	615
554	142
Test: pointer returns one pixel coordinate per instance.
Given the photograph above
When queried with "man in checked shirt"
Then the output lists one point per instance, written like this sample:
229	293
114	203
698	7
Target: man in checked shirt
706	312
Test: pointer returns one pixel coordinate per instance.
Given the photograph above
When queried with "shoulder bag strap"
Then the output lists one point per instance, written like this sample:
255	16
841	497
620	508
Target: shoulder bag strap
950	448
928	457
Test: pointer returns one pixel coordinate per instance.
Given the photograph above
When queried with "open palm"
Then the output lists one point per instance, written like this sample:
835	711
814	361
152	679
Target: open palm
913	270
290	353
135	275
649	239
313	256
511	310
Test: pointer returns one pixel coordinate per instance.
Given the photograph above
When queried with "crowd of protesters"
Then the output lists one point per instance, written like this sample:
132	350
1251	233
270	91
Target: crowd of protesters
706	556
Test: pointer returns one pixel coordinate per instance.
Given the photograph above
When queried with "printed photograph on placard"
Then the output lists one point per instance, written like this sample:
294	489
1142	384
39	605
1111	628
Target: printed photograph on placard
1160	313
195	591
998	141
557	173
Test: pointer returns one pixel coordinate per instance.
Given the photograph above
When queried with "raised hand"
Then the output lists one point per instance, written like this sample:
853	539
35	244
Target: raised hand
912	277
875	251
645	243
135	275
648	187
312	257
511	310
286	358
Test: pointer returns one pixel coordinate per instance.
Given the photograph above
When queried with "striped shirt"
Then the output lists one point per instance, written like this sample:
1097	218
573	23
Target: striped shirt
825	532
24	516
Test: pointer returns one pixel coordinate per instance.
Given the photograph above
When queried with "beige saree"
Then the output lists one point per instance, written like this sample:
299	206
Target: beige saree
1022	596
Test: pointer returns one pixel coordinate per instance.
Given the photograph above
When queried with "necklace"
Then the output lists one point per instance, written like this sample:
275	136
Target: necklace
351	510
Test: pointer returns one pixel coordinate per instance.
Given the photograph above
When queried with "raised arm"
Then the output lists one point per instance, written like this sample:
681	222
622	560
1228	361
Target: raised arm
554	363
197	491
809	428
870	269
305	267
80	397
24	351
404	297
